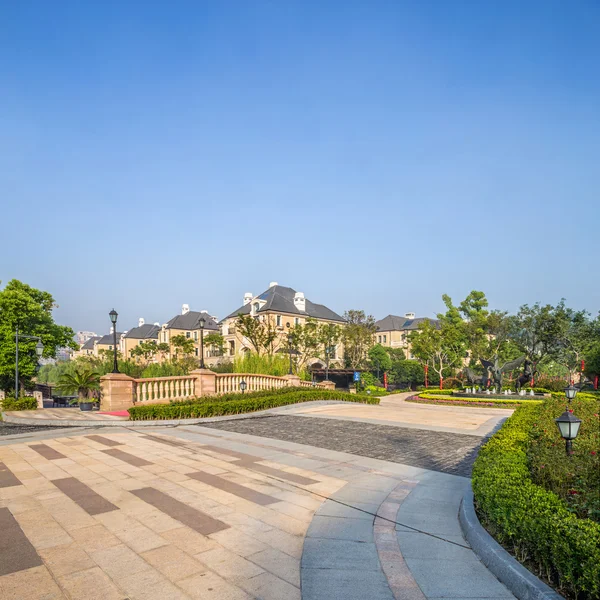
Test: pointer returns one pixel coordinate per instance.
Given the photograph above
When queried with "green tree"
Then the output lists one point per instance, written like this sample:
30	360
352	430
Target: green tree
31	310
262	333
442	348
380	359
81	382
406	372
329	336
216	342
149	349
305	340
183	345
358	337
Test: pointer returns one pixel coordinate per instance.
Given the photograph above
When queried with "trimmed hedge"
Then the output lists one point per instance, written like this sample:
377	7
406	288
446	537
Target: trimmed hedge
27	403
531	521
437	398
216	406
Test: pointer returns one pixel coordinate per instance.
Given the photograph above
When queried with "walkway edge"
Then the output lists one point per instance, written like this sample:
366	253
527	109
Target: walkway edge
521	582
166	422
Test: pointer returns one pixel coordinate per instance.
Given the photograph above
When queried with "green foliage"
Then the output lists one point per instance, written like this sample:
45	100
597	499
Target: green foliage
24	403
262	333
241	404
379	358
443	397
406	372
225	366
183	346
31	310
358	335
540	528
215	341
149	349
167	369
264	364
81	382
50	373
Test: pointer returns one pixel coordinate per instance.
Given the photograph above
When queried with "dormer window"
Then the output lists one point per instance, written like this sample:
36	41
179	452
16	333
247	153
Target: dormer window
256	307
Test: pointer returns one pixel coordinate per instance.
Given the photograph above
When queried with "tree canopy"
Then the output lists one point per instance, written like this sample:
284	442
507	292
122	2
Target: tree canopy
31	310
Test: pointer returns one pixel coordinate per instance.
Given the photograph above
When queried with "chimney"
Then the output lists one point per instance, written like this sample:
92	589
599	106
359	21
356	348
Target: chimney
157	324
214	318
300	302
273	284
247	298
185	309
204	312
141	321
409	316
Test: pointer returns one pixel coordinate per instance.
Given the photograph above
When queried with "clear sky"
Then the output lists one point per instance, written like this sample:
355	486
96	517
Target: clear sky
373	155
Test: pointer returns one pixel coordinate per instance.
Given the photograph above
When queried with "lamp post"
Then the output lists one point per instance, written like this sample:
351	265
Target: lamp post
568	424
39	350
289	337
113	314
326	363
202	324
243	385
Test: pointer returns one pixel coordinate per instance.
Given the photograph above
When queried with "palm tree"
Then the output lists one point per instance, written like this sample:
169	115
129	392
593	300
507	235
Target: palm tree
81	382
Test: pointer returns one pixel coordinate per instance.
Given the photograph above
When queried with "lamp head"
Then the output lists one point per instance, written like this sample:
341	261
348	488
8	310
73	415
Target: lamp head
568	425
202	322
570	392
113	314
39	348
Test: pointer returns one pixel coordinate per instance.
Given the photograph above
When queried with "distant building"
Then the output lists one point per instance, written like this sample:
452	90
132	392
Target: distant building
393	331
284	307
106	342
144	332
86	348
81	337
188	325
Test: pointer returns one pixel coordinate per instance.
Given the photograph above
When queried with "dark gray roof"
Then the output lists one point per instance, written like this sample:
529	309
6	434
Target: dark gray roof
281	299
191	320
395	323
89	344
144	332
108	339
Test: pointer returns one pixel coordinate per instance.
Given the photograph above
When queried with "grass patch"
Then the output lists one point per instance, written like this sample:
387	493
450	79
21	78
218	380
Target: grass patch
215	406
437	398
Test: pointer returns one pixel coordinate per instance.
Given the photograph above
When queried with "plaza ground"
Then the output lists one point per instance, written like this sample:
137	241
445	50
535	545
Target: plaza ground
337	501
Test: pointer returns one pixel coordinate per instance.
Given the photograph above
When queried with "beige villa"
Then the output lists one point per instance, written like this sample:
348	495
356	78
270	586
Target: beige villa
144	332
188	324
285	308
394	331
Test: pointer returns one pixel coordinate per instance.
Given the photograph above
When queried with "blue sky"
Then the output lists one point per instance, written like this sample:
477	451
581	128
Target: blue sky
373	155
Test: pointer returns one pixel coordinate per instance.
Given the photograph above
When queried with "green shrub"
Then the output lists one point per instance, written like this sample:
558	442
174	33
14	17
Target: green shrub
26	403
535	523
445	398
217	406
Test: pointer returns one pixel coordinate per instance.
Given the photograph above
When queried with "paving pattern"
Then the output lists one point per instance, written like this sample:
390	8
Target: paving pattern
436	450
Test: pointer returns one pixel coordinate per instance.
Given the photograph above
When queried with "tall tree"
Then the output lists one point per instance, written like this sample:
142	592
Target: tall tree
305	340
31	310
441	348
216	342
147	350
358	337
380	359
261	332
182	345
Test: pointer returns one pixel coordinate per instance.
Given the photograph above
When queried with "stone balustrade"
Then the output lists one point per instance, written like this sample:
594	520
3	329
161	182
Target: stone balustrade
120	392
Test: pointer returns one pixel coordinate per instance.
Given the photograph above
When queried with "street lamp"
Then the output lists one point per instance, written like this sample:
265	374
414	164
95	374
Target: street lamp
289	337
39	350
243	385
568	425
202	324
113	314
570	392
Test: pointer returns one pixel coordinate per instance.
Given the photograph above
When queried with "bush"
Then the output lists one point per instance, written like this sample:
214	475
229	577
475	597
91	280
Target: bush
533	522
445	398
552	385
217	406
26	403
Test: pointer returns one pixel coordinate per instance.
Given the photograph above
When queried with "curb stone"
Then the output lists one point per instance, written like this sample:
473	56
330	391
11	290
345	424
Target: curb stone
521	582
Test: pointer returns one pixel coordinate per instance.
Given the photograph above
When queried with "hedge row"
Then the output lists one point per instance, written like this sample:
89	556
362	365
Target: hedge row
218	407
27	403
447	399
531	521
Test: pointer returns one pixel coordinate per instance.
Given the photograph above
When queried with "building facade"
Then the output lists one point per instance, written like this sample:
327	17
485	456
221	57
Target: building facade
144	332
285	308
394	331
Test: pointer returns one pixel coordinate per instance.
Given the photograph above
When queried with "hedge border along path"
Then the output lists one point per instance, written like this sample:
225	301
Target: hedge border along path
219	408
533	522
447	400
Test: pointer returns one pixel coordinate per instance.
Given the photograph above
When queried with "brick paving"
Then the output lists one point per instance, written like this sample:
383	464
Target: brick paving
435	450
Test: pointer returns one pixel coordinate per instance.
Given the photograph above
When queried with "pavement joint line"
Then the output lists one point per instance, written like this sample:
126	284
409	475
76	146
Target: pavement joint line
194	451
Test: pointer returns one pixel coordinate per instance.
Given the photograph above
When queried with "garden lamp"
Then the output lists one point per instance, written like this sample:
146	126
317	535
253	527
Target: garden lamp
113	314
570	392
39	349
568	425
243	385
202	323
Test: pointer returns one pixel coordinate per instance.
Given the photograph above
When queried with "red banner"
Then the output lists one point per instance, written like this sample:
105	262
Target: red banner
385	380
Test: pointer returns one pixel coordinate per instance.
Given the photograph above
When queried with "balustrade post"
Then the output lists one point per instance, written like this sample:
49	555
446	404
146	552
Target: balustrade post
206	382
117	391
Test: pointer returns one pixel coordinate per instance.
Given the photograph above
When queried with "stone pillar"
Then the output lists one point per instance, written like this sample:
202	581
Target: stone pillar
40	399
117	392
328	385
292	380
206	382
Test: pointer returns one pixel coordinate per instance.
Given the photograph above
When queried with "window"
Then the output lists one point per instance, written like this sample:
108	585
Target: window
256	307
379	340
196	335
187	335
196	351
110	348
297	321
385	339
231	348
278	320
